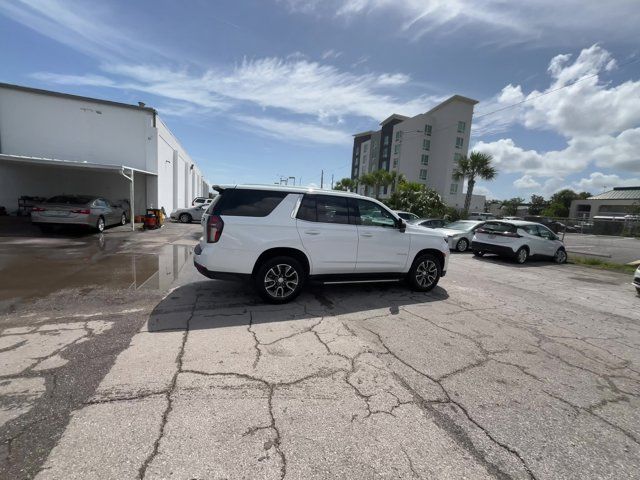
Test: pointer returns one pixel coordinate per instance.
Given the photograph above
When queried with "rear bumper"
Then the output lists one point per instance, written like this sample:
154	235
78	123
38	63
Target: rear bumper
220	275
88	221
490	248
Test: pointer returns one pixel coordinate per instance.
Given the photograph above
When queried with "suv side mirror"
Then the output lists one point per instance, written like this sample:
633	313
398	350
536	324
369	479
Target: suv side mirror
401	225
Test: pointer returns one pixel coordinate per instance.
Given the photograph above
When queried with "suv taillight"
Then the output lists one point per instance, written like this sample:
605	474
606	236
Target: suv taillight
38	209
214	228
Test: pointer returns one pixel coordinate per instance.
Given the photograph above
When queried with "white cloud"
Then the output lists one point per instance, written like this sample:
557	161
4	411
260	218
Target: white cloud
526	182
79	25
482	190
294	131
598	181
330	54
540	21
600	121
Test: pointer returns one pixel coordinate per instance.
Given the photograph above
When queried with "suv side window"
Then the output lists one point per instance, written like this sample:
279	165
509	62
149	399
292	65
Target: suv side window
332	209
307	210
531	230
240	202
373	215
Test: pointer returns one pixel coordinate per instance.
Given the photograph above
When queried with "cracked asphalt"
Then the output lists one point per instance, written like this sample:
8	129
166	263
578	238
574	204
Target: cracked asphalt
503	371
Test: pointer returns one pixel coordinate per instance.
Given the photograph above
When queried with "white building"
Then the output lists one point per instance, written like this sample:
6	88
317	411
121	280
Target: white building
423	148
53	143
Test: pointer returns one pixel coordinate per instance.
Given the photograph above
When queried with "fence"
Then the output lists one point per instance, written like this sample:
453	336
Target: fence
628	226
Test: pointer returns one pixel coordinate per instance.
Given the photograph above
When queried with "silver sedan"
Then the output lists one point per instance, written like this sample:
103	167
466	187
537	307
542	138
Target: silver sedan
84	210
459	234
190	214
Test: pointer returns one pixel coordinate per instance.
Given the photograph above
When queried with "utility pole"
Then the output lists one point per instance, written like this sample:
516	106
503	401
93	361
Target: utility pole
332	181
321	179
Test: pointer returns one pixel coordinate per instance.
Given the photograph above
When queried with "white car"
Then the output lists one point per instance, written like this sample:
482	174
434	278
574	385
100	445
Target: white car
201	201
636	280
280	237
459	234
519	240
406	215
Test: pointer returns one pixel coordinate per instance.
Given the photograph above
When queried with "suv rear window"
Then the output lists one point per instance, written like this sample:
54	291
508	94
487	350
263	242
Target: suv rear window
240	202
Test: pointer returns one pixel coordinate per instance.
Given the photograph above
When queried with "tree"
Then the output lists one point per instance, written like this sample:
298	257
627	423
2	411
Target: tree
538	204
395	180
376	180
418	199
346	184
560	202
510	207
556	210
476	165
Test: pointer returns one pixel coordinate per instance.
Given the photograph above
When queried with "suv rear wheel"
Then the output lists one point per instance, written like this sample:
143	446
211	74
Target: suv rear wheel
425	273
280	279
185	218
560	256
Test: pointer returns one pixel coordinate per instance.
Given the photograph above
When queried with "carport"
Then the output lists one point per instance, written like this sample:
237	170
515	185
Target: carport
46	177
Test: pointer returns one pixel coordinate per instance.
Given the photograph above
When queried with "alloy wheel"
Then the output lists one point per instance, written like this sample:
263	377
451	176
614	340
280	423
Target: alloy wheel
462	245
561	256
426	273
522	255
100	225
281	280
123	219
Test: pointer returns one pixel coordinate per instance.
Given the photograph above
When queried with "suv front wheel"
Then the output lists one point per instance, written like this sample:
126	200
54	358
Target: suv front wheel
425	273
279	279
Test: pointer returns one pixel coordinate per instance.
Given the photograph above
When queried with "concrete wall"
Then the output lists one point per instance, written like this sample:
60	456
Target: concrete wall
37	125
46	181
613	207
178	182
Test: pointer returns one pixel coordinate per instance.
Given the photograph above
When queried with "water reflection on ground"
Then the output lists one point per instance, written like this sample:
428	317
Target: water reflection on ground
35	267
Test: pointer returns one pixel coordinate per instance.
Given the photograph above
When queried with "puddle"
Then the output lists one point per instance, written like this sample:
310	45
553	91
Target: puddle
35	268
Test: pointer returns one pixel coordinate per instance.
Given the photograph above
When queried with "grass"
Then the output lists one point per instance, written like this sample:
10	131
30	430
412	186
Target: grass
602	264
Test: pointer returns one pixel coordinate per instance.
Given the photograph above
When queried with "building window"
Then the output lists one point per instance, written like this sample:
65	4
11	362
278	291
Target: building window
398	135
395	162
396	148
386	140
426	144
457	157
385	152
461	127
427	129
454	189
425	159
459	142
423	174
365	148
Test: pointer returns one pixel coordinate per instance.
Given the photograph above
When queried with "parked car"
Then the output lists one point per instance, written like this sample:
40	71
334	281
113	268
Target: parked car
481	216
428	222
636	280
281	237
406	215
84	210
199	201
459	234
188	215
553	225
518	239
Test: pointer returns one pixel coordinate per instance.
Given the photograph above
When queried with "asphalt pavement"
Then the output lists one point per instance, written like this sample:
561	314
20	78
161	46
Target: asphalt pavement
503	371
607	248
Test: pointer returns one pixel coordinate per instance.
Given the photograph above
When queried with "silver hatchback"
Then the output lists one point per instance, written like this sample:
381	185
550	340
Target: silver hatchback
84	210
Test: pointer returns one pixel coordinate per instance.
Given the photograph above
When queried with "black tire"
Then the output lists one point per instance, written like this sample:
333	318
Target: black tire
462	245
425	273
478	253
521	255
279	279
100	224
638	290
185	218
560	257
123	219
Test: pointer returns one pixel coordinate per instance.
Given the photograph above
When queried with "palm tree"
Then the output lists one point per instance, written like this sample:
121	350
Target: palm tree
476	165
368	181
396	179
347	184
380	178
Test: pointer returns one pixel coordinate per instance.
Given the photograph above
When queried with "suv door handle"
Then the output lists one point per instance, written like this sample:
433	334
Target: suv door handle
312	232
366	234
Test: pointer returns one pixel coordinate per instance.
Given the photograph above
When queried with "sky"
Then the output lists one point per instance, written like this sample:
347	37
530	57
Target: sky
260	89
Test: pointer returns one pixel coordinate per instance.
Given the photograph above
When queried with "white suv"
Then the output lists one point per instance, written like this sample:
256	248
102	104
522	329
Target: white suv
519	240
280	237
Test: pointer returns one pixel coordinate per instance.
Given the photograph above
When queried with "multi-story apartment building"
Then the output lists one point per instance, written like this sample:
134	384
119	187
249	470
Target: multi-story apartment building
423	148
